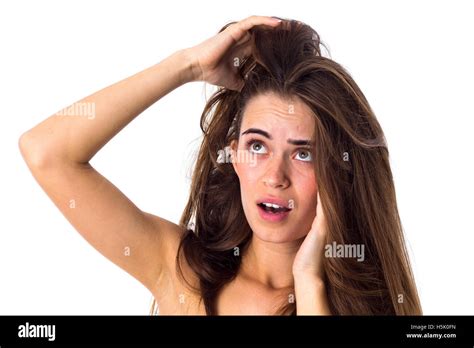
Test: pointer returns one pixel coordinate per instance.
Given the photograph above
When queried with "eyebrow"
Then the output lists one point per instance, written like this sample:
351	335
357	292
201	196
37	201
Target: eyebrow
298	142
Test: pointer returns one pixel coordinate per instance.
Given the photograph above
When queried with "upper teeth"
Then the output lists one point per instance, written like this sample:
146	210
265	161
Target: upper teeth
271	205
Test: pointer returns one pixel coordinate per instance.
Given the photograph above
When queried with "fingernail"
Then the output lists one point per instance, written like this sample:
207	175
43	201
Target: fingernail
276	19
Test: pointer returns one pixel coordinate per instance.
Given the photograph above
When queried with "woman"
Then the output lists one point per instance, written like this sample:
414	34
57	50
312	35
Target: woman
292	207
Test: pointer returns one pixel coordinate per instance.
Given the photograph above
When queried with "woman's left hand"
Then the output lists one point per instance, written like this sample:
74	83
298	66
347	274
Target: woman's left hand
308	270
309	258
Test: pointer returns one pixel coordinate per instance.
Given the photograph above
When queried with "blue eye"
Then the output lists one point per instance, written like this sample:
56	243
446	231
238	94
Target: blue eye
256	147
306	156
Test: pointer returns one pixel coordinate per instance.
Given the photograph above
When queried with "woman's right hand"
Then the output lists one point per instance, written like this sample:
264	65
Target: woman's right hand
214	60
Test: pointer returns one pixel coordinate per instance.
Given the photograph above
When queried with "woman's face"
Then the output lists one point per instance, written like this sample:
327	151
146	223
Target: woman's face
274	162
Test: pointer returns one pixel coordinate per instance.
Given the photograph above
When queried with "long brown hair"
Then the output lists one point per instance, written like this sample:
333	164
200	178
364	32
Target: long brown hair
352	171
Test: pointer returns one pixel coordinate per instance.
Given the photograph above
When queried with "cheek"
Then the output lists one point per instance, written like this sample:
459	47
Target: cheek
248	182
306	188
248	177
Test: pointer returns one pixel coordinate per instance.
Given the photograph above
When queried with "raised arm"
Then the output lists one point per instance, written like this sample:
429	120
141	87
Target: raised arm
58	151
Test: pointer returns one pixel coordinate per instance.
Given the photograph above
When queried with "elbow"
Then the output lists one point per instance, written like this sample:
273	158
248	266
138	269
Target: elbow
40	153
32	152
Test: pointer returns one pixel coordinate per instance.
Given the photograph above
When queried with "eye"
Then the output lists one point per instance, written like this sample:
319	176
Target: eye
305	156
256	146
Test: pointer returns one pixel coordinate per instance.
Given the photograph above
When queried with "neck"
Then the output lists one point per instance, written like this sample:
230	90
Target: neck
270	263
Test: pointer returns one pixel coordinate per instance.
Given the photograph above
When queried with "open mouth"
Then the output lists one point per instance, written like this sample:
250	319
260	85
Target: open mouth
273	213
273	208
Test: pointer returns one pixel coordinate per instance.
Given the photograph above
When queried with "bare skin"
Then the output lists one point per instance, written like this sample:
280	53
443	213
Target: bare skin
58	151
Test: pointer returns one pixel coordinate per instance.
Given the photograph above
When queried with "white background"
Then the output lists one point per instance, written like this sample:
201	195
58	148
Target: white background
413	61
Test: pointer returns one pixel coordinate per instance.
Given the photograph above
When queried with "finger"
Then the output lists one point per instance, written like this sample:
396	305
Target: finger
244	40
318	204
320	220
241	53
238	56
251	21
240	29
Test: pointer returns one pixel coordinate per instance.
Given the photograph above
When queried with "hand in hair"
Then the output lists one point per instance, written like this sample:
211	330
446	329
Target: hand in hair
216	60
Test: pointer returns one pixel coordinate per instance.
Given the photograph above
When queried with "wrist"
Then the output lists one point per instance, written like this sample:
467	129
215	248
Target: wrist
190	70
309	280
308	276
311	296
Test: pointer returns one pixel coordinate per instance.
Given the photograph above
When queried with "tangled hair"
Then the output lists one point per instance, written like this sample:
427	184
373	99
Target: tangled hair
351	167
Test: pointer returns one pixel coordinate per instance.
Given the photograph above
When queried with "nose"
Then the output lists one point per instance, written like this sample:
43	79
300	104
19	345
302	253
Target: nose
275	175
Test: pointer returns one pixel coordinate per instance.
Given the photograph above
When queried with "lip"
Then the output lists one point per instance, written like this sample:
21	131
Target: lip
273	217
274	200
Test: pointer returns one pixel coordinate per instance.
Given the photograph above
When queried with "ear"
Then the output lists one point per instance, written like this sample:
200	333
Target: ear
233	151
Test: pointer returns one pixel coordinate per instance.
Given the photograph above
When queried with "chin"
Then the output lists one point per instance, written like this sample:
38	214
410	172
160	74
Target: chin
276	234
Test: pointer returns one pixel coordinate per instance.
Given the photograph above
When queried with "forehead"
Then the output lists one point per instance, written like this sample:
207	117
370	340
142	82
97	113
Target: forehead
277	115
